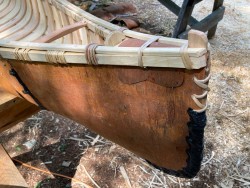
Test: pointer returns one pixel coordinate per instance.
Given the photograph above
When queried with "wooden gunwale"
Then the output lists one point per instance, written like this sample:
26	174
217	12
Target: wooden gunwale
38	25
121	59
193	52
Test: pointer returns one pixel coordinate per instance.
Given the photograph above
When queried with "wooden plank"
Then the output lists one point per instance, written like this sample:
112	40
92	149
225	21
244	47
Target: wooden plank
217	4
9	175
13	110
207	23
171	57
176	10
183	18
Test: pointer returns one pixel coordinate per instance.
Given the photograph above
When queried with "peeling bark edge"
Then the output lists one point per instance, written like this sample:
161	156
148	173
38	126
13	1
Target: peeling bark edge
195	140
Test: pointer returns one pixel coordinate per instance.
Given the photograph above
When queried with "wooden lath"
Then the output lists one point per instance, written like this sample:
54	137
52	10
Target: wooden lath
13	110
9	175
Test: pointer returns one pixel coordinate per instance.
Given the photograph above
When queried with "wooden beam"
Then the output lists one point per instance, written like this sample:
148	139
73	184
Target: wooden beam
9	175
207	23
176	10
217	4
183	17
14	110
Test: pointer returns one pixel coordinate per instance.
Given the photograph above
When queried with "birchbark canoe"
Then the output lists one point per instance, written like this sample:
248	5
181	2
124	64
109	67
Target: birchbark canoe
146	93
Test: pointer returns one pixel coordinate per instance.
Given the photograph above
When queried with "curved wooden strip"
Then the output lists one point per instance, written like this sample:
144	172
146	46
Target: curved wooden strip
41	27
49	15
67	39
4	5
25	21
30	27
76	35
61	32
16	19
13	13
8	9
57	22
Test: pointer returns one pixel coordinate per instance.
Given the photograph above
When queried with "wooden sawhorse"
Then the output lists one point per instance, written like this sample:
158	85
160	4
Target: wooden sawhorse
12	111
185	18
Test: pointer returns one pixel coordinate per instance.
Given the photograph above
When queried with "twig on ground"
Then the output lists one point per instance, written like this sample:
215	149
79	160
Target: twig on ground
91	179
95	140
212	156
125	176
230	119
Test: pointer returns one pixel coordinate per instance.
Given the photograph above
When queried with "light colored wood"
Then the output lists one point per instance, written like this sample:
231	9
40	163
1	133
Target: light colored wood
95	32
16	19
13	110
76	34
61	32
40	27
24	22
68	38
9	176
49	15
80	14
114	38
118	59
197	39
193	52
4	5
8	9
13	14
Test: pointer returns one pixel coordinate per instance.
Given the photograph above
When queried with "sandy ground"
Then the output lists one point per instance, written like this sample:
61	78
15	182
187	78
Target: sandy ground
227	150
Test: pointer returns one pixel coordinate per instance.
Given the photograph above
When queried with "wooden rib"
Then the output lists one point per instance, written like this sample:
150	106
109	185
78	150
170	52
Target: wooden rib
71	9
30	27
61	32
18	27
16	19
8	9
41	27
4	5
76	34
49	15
84	35
57	22
13	13
67	39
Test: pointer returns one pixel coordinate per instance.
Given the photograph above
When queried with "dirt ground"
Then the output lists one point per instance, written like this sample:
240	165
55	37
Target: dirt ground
226	162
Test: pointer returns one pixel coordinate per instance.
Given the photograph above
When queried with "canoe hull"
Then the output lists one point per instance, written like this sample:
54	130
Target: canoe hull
143	110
